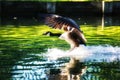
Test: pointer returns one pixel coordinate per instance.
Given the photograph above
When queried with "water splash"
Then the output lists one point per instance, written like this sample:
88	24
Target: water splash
55	53
87	53
38	69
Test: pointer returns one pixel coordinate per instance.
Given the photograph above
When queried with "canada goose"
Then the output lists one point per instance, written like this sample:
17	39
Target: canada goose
73	35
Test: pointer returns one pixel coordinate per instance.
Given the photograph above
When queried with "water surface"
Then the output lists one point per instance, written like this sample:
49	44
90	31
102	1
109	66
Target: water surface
26	54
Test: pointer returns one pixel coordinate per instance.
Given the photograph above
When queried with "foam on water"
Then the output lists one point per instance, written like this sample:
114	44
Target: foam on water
96	53
38	69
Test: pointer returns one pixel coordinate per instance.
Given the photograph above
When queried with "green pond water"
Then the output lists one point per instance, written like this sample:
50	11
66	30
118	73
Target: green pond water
26	54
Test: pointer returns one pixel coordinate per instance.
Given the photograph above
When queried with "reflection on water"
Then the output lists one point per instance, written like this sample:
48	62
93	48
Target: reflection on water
83	20
24	53
98	60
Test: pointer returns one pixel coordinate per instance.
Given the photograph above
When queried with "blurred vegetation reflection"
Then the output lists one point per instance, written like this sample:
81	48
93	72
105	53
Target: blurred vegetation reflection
21	37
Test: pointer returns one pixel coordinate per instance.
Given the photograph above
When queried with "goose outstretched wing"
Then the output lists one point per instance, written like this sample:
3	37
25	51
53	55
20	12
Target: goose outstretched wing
58	22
